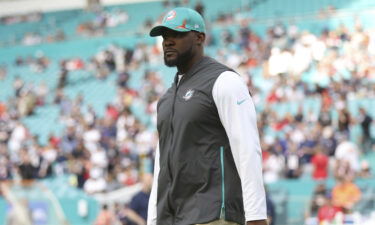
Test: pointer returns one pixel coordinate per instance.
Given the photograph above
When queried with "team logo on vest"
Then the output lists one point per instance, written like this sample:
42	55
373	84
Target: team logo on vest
170	15
188	94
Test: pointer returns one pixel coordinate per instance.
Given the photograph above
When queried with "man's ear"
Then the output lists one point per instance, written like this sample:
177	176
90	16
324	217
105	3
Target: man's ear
201	37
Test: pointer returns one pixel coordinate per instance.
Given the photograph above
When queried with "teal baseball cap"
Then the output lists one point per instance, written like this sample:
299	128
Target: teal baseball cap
182	20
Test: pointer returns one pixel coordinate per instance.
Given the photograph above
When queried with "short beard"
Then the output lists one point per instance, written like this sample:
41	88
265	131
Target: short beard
180	59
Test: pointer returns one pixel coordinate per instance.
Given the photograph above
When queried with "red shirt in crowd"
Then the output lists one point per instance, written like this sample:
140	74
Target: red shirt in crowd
328	212
112	112
320	163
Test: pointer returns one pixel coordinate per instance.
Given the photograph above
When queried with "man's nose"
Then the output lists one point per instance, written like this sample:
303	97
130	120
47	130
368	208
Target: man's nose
168	41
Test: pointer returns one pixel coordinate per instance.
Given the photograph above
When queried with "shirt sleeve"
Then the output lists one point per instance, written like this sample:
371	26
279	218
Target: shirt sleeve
151	211
237	114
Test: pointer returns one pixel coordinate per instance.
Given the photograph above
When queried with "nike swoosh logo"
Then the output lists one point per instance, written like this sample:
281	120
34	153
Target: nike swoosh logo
240	102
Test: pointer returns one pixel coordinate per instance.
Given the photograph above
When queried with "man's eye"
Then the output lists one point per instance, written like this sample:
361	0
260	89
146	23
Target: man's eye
180	34
175	35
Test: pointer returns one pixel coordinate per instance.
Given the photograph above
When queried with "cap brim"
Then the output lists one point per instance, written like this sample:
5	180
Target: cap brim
158	30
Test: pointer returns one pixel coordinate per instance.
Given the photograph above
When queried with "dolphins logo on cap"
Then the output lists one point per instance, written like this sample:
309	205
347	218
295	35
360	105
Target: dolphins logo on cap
170	15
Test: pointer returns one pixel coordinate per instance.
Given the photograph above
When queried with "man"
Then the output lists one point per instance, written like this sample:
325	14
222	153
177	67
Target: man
208	164
320	163
365	120
346	194
137	210
328	212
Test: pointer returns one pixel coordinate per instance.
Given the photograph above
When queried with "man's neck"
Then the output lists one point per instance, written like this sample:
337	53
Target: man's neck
183	69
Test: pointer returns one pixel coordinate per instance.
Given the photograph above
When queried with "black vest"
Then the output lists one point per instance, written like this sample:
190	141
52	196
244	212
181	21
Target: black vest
198	181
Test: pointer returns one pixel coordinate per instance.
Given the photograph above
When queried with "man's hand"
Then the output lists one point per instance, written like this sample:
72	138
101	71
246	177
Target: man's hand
257	222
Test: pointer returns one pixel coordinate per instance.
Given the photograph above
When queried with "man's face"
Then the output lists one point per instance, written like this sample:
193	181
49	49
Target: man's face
178	47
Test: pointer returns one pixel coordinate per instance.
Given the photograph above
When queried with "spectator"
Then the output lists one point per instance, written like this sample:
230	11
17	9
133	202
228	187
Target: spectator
320	163
96	183
123	78
78	168
271	212
317	200
48	155
365	170
273	166
63	75
41	94
112	183
343	169
328	141
327	212
26	103
18	137
137	210
91	138
293	164
5	167
26	168
105	217
348	151
345	194
325	118
69	141
307	147
128	175
365	121
199	7
344	122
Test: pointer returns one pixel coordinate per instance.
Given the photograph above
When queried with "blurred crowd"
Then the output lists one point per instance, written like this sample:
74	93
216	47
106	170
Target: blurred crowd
22	18
334	68
46	31
115	150
103	19
338	64
104	152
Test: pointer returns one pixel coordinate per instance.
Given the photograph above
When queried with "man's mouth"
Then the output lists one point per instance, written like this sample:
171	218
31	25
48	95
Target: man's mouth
169	53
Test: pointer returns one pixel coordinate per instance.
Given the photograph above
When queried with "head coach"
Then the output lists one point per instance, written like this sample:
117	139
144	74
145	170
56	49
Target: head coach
208	163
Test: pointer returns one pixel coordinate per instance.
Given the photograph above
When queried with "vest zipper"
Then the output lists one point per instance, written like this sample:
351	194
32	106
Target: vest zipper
222	210
170	157
172	132
177	83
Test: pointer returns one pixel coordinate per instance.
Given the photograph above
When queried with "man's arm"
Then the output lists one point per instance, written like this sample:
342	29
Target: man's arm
151	212
133	216
237	114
